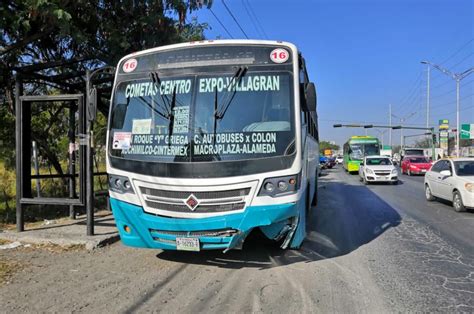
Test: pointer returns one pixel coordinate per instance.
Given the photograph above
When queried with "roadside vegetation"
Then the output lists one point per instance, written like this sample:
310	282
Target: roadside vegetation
51	43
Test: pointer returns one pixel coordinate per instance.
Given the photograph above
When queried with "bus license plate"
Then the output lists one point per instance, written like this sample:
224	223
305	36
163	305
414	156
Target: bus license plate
187	244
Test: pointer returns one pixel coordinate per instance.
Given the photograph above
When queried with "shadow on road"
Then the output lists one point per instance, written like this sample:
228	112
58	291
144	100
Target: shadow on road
347	217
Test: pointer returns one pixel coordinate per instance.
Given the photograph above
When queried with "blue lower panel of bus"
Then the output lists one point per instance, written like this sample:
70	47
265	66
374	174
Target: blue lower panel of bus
223	232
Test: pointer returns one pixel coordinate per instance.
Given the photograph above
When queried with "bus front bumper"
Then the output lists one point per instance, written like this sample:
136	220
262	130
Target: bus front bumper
353	166
139	229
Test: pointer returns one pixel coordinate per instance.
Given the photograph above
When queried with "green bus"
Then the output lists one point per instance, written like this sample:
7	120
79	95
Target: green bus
356	148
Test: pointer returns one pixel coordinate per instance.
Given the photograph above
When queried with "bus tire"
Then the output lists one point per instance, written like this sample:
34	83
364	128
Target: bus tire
314	202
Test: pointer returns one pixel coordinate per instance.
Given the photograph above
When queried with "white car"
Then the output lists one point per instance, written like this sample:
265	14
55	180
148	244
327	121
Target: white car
452	180
339	160
378	169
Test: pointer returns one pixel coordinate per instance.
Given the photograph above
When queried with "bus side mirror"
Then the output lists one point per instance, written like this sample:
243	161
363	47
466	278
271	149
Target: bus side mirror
310	94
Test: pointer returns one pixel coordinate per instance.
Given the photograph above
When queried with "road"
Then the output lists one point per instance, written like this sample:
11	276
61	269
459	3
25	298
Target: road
376	248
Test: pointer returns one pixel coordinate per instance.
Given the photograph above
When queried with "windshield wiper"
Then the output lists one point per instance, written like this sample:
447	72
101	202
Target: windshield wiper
171	116
155	78
233	86
219	114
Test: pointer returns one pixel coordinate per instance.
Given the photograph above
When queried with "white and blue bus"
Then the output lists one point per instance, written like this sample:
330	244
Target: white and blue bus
209	140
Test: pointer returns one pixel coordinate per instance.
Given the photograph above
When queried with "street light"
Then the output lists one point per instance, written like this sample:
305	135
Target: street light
458	77
427	93
381	134
402	119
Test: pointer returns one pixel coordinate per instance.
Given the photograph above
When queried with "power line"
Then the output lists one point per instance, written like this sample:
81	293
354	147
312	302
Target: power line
452	90
452	102
457	51
252	19
218	20
235	20
411	96
256	18
465	58
461	109
413	88
447	79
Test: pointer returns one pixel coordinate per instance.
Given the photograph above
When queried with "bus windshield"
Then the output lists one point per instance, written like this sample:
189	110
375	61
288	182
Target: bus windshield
358	151
414	152
208	117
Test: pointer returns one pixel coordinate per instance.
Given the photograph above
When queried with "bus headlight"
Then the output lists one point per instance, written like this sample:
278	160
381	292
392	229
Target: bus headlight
282	186
279	185
120	184
269	187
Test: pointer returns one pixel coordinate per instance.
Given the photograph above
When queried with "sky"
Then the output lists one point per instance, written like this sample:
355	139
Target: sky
365	54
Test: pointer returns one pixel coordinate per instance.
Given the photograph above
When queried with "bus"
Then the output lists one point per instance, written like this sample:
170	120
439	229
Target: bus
209	140
356	148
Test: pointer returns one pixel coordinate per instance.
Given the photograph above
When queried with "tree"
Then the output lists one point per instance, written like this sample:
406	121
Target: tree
424	142
51	43
323	145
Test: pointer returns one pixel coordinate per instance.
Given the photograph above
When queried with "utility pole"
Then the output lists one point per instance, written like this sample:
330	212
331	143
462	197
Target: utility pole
390	123
402	120
428	75
458	131
457	77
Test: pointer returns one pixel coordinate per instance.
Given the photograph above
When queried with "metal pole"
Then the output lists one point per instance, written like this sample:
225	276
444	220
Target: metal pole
457	117
390	123
72	158
20	226
89	166
428	98
433	150
401	139
35	165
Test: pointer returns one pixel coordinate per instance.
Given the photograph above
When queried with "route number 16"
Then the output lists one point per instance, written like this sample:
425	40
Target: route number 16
129	65
279	55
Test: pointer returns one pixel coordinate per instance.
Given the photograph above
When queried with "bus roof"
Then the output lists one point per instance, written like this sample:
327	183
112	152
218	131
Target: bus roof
362	139
203	43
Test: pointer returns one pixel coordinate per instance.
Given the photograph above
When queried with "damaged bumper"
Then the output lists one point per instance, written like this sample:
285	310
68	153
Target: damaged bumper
139	229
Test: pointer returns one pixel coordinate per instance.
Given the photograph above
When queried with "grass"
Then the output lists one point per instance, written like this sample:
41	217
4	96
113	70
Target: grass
7	268
49	188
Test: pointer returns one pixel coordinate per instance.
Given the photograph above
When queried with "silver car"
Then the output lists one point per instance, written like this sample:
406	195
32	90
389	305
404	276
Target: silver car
452	180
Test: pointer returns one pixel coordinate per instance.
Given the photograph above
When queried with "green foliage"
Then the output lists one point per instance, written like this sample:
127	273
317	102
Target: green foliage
326	145
52	43
423	142
7	194
7	137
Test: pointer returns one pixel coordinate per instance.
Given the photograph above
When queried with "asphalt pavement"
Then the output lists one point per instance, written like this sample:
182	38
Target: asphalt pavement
375	248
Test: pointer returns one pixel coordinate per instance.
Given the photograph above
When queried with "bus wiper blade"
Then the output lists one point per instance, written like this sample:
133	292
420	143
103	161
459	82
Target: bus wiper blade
215	117
219	114
155	78
171	116
233	87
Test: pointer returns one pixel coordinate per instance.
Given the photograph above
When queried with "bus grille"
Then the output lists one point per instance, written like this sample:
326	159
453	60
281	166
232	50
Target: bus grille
199	195
200	209
188	201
